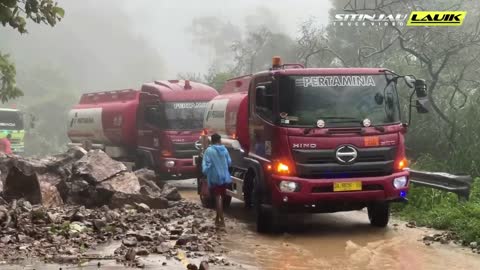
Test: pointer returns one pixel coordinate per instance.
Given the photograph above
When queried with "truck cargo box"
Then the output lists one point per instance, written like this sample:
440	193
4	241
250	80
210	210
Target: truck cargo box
107	118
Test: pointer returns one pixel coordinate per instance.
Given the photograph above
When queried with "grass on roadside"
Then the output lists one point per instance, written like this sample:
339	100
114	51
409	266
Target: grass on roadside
442	210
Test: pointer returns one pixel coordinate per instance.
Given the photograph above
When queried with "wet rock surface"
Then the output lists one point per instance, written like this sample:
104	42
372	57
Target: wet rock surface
79	177
65	234
61	208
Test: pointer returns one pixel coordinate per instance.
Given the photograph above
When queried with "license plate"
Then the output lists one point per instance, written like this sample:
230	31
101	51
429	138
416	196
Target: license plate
347	186
195	160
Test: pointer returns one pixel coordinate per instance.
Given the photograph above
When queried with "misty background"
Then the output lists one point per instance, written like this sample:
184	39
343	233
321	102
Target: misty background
117	44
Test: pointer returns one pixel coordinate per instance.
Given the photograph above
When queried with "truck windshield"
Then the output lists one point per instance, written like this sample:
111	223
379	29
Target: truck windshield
11	120
184	115
340	101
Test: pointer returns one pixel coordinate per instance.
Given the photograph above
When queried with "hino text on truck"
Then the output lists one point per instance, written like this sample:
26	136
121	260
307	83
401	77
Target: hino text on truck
313	139
12	122
155	127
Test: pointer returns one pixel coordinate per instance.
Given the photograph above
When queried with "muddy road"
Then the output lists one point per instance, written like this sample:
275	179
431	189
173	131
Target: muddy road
324	241
336	241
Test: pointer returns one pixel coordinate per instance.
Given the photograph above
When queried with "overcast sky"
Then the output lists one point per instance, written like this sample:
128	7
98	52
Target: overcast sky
104	44
163	22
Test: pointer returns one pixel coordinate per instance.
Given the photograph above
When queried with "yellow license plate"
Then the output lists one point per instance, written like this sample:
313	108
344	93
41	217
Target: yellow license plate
347	186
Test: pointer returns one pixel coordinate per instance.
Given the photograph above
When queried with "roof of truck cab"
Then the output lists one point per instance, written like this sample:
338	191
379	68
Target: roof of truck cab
240	84
180	90
329	71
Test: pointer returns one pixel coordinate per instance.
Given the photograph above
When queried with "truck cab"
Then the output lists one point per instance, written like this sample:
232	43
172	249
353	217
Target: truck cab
12	122
169	125
154	127
319	140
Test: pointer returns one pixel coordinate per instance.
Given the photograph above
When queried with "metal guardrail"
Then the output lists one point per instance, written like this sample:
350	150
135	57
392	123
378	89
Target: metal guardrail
458	184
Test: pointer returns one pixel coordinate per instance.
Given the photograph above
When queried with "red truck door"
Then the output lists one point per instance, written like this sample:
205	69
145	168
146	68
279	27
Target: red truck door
148	123
261	116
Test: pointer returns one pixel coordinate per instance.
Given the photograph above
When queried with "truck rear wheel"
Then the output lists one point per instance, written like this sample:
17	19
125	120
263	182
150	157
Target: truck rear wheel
379	214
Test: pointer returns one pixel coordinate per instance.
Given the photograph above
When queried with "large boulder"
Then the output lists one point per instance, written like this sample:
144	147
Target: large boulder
79	177
96	166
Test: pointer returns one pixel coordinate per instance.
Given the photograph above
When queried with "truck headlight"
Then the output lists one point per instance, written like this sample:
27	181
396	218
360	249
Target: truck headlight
169	163
400	182
288	186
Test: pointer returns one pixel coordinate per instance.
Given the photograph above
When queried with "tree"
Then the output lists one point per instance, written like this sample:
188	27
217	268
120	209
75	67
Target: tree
435	49
314	42
15	13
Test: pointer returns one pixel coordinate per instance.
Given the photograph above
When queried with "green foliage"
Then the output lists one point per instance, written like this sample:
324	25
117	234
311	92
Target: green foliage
15	14
217	79
213	78
8	88
443	211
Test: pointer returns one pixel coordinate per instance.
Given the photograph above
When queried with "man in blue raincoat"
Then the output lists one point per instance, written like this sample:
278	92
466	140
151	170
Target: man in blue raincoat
215	164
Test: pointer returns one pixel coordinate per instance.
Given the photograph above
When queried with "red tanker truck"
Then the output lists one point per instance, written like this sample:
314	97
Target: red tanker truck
319	140
154	127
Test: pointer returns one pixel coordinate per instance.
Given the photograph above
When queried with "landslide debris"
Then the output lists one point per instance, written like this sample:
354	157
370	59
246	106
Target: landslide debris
59	207
78	177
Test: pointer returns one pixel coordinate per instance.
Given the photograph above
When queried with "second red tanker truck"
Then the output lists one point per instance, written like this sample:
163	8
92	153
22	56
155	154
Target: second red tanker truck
154	127
313	139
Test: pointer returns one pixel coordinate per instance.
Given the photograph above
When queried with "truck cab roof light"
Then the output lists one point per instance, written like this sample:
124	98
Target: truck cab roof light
187	85
276	62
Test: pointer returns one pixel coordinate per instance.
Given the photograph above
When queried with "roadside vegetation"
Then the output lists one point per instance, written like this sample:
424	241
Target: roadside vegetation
441	210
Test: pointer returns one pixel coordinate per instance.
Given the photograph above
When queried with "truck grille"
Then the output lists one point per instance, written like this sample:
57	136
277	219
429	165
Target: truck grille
184	150
323	164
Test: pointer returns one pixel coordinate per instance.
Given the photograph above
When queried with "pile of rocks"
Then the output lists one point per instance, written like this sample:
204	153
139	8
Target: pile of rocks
79	177
64	234
443	238
63	207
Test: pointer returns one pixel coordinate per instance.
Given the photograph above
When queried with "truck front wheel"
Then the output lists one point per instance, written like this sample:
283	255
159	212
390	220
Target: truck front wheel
379	214
268	219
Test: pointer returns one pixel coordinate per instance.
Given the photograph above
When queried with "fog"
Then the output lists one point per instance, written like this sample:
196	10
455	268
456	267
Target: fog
118	44
98	42
163	23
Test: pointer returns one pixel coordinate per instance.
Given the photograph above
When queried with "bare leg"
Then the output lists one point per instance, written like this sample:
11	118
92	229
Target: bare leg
219	205
220	211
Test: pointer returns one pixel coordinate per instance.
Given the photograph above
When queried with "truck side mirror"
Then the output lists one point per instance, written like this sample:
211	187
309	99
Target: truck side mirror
409	81
422	104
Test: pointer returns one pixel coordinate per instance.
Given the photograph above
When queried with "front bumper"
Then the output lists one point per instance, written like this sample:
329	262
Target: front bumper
315	191
182	167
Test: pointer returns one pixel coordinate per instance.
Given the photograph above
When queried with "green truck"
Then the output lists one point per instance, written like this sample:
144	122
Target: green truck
12	122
